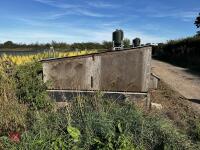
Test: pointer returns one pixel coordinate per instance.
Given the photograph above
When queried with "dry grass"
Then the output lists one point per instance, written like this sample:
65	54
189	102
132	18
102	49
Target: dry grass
175	107
12	114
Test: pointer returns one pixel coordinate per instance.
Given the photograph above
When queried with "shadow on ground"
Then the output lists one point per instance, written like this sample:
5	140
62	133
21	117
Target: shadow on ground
190	68
197	101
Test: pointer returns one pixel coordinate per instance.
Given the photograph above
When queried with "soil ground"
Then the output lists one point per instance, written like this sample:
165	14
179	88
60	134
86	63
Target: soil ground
174	106
180	80
179	94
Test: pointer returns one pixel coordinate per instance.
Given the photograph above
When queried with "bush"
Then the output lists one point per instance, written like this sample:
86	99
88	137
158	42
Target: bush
12	114
30	88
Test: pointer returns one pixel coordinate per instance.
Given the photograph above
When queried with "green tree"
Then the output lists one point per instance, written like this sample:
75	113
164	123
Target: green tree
9	44
197	23
127	43
107	44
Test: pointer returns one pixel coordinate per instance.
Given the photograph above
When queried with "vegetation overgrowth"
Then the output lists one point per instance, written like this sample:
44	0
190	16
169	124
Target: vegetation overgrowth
97	123
29	119
12	113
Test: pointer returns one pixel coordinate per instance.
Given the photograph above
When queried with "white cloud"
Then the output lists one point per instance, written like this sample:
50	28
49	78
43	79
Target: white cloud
56	4
88	13
100	4
163	11
38	23
184	15
71	9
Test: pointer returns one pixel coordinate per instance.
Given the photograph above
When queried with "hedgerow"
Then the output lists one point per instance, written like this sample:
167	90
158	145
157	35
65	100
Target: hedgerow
185	52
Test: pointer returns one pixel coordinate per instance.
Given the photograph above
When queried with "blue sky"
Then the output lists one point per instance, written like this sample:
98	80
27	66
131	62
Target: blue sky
27	21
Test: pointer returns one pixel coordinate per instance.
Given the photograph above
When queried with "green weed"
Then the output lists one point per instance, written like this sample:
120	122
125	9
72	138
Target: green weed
30	88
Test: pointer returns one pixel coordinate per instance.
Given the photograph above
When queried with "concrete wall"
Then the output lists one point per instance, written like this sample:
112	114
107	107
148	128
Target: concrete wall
126	70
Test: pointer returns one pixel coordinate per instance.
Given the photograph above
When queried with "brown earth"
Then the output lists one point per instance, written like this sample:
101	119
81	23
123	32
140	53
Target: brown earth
180	80
176	90
174	106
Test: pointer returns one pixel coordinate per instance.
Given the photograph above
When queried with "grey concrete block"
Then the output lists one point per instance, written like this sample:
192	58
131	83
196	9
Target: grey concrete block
125	70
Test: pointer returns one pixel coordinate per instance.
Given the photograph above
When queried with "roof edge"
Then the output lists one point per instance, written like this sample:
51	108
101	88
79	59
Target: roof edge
92	54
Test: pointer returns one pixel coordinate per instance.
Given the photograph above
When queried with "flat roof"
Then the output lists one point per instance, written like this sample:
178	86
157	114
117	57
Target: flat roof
92	54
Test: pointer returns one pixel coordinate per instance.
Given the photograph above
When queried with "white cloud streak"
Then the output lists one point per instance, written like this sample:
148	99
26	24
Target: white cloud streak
96	32
90	13
100	4
177	14
54	3
163	11
72	9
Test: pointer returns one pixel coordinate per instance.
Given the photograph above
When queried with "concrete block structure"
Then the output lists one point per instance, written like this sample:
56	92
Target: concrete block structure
127	70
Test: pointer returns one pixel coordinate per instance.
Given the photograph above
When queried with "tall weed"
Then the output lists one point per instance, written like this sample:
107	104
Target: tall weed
12	114
30	88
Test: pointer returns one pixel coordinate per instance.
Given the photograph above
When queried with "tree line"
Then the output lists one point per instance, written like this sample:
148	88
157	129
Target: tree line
9	45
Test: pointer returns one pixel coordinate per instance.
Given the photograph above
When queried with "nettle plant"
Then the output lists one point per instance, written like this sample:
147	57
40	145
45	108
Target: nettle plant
30	88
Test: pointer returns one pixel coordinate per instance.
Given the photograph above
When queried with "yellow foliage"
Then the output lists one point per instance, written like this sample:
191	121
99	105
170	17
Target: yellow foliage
18	60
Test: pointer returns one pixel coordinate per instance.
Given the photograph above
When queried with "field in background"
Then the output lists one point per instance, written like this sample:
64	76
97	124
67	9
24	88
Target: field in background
22	59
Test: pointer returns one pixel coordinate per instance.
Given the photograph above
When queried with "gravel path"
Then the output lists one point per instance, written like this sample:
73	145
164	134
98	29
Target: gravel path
182	81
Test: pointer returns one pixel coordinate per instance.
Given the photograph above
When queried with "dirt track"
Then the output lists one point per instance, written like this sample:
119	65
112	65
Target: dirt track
180	80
